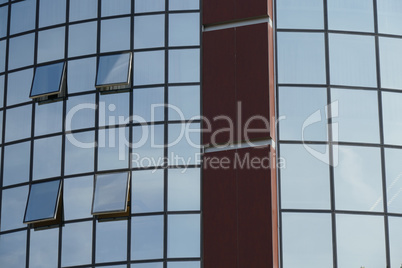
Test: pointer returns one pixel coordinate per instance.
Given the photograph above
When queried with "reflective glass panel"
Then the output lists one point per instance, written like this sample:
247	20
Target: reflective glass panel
13	207
111	241
18	123
115	34
44	246
52	12
81	75
42	201
301	58
83	9
21	52
148	144
149	6
149	104
76	247
297	108
1	91
183	236
147	191
393	171
114	70
357	120
358	180
79	156
147	237
184	144
184	65
3	21
82	39
149	67
305	178
354	15
113	146
4	1
184	189
147	265
390	62
300	14
22	16
360	241
149	31
183	4
115	7
184	29
16	163
47	158
3	56
80	112
389	16
48	118
13	249
77	197
307	240
51	44
47	80
19	84
184	103
111	193
395	232
392	117
184	264
352	60
114	108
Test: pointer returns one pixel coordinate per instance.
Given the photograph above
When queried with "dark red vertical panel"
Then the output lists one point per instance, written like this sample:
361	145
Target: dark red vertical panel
271	82
218	11
274	205
251	8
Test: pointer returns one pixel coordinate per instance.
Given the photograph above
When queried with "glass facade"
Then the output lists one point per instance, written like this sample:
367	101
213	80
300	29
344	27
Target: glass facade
138	130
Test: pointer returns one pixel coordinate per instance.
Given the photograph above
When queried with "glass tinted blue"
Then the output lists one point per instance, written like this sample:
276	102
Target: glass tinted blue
47	80
113	69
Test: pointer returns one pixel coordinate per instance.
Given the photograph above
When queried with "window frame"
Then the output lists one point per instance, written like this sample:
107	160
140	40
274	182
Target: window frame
116	85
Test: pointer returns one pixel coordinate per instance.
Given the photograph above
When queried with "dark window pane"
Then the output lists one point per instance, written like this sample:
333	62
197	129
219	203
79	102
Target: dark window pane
42	201
115	7
83	9
13	249
22	16
18	123
18	87
48	118
3	21
114	71
52	12
80	112
21	52
3	55
48	80
16	163
111	193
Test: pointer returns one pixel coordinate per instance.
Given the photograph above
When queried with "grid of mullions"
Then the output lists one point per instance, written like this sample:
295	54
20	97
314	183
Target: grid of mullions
161	226
332	208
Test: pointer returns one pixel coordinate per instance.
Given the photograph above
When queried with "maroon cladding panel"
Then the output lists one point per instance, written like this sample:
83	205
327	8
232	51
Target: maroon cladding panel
219	213
219	90
251	8
252	81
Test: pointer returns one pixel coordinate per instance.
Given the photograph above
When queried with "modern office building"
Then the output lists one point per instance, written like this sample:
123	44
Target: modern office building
200	134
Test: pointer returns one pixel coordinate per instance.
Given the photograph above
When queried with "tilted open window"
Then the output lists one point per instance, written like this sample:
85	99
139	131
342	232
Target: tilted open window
114	71
44	203
111	194
49	82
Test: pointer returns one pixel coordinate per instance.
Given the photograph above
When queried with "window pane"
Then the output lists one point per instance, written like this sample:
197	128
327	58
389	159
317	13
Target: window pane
78	197
391	62
114	70
393	172
307	240
352	60
21	51
81	75
184	189
183	236
147	238
3	55
147	191
13	249
149	31
149	5
149	67
79	152
305	180
18	123
147	265
52	12
357	119
2	91
42	201
48	118
358	180
22	16
13	208
297	14
19	84
115	34
392	117
301	58
82	39
113	148
183	4
184	103
80	112
48	80
111	241
16	163
184	144
115	7
47	158
83	9
389	16
44	246
111	192
395	232
184	29
77	244
184	66
360	241
297	106
114	109
149	104
351	15
51	44
148	146
3	21
184	264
